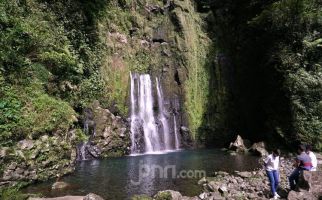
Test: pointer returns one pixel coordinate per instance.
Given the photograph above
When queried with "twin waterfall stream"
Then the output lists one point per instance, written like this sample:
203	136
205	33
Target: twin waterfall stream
150	130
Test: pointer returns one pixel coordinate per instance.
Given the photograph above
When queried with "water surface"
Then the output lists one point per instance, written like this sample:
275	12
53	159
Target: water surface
121	178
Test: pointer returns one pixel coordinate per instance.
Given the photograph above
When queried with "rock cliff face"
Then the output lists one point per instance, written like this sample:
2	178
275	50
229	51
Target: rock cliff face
31	160
171	40
108	134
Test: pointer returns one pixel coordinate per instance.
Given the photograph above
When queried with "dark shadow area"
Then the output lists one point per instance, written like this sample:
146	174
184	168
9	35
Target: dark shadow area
247	96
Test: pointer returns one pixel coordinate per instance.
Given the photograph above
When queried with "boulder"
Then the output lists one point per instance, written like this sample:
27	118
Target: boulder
94	151
59	185
213	186
309	186
244	174
259	149
108	132
311	181
238	145
186	139
293	195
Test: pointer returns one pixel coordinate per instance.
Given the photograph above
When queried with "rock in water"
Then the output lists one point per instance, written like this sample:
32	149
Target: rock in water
238	145
168	194
59	185
259	149
92	196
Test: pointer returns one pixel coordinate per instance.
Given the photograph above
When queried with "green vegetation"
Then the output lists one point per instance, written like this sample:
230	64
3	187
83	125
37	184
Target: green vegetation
164	195
196	48
12	194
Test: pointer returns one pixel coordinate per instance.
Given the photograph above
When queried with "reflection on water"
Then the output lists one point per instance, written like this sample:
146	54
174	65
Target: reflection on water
116	178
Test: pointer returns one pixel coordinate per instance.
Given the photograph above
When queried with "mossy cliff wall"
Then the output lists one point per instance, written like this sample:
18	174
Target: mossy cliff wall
171	41
57	58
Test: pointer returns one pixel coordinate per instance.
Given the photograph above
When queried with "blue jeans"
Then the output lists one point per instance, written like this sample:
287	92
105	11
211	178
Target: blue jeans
273	179
294	177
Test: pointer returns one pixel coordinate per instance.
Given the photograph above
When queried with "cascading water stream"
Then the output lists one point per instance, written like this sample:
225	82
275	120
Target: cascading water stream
146	113
146	135
176	137
133	117
164	121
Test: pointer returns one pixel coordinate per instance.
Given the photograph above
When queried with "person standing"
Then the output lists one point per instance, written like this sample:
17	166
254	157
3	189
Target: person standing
302	162
271	165
313	157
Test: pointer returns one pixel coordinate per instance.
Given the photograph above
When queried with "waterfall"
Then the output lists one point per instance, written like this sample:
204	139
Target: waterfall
82	153
176	138
142	115
150	131
164	121
133	117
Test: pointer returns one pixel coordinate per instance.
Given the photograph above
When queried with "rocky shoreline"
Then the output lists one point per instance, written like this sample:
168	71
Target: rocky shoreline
250	185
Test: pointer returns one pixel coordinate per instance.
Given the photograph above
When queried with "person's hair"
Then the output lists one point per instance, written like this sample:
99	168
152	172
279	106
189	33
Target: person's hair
301	148
308	147
277	152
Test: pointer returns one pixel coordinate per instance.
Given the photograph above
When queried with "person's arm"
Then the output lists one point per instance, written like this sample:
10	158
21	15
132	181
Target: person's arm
267	159
297	162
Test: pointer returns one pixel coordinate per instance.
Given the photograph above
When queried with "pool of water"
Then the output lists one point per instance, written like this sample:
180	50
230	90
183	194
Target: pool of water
121	178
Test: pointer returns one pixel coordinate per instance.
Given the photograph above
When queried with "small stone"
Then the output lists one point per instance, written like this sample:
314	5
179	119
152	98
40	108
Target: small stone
223	189
3	152
252	196
25	144
202	195
202	181
12	166
19	171
213	186
44	138
221	173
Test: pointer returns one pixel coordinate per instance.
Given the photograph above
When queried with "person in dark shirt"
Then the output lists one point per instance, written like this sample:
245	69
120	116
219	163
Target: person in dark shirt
302	162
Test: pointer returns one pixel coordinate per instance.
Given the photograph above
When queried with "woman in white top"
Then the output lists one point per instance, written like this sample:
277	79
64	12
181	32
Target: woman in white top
314	161
271	165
